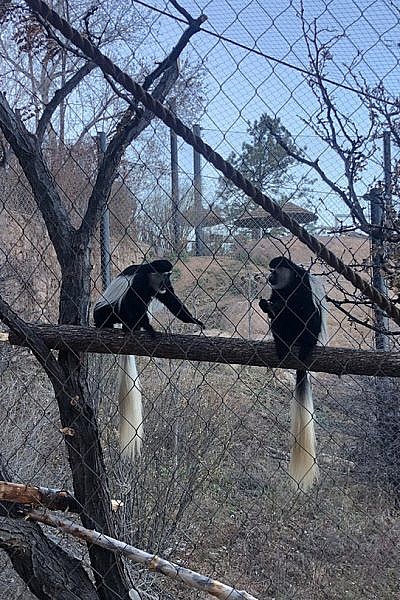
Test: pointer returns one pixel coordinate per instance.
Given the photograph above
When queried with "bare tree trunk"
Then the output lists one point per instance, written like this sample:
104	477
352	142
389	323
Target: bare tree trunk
43	565
77	415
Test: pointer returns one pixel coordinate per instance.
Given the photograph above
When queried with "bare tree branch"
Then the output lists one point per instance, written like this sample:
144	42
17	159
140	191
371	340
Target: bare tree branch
27	545
182	11
194	27
44	497
33	341
153	562
27	149
132	123
39	496
129	128
364	323
61	95
332	121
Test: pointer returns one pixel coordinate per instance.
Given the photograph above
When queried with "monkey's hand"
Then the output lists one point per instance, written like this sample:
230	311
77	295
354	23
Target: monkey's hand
149	328
267	307
199	323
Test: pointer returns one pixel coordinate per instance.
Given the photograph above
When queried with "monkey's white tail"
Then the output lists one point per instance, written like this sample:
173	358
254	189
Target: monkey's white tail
130	409
303	464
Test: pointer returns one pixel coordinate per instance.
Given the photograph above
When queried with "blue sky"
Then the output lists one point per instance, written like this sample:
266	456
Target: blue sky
241	83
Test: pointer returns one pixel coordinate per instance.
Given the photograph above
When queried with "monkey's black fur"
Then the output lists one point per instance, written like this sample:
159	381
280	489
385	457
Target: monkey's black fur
127	298
298	318
295	318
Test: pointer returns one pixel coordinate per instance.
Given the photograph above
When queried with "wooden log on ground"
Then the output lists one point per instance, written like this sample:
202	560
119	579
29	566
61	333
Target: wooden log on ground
339	361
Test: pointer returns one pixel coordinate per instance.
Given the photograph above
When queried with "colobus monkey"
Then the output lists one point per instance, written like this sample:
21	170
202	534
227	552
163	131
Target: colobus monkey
298	316
126	301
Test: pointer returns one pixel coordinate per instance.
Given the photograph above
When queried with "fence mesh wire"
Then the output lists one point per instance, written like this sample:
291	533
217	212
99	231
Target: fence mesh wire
301	97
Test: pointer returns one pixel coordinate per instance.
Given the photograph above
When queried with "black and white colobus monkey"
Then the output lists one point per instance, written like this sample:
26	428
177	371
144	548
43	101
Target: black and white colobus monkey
126	301
298	316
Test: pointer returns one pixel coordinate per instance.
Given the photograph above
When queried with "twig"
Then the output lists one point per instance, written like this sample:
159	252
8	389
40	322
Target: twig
357	321
153	562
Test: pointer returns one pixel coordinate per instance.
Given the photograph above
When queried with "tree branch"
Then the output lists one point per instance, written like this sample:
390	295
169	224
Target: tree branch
128	130
43	496
153	562
182	11
194	27
333	122
132	123
33	341
60	95
28	151
364	323
235	351
39	496
42	564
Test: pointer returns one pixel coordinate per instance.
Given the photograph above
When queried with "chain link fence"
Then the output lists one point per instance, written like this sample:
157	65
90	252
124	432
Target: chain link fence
301	98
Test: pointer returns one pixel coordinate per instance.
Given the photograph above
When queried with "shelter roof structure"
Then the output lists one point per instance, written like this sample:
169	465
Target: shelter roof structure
258	218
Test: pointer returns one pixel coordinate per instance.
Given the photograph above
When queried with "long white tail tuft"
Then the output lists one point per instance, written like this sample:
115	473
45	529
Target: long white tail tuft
130	409
303	467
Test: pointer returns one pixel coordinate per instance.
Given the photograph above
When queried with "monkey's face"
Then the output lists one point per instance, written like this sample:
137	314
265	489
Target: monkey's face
281	277
159	282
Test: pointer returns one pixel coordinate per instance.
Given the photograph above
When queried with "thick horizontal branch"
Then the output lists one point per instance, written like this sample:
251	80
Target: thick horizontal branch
152	561
201	348
43	496
39	496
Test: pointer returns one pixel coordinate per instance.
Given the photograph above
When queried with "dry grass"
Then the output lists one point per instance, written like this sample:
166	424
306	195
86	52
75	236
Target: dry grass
212	490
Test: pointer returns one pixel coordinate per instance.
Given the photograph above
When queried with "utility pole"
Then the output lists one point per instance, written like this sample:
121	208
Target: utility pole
388	415
387	168
200	247
174	185
377	202
105	253
380	200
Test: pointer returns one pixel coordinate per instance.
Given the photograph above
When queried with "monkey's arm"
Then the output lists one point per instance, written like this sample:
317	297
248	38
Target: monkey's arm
172	302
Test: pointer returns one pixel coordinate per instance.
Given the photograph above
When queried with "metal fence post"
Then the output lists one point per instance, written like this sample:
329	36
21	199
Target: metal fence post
174	188
200	247
105	253
377	202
